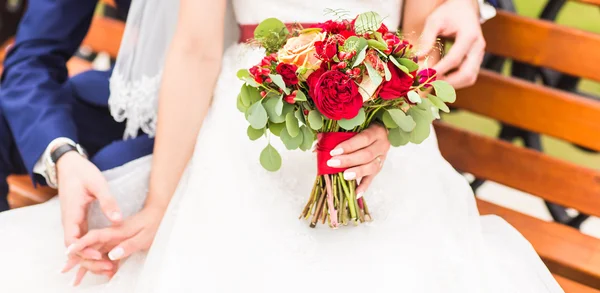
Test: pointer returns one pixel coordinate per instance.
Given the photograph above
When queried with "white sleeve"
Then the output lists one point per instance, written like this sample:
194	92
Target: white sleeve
486	11
39	167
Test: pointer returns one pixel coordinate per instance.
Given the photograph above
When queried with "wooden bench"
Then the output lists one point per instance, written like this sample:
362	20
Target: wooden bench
573	257
104	36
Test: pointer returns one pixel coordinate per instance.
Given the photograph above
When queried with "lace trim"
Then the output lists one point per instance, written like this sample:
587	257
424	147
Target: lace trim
135	101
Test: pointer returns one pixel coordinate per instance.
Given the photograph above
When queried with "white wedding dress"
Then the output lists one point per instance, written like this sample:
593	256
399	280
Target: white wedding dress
233	227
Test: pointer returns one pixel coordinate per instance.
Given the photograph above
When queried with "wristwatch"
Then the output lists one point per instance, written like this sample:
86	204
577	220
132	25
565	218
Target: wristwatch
54	154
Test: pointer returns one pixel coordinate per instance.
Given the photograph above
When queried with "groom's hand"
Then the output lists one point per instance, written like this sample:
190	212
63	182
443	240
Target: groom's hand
80	183
363	156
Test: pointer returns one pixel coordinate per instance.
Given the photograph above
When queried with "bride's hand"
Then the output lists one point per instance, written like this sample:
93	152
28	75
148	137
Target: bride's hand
135	234
363	156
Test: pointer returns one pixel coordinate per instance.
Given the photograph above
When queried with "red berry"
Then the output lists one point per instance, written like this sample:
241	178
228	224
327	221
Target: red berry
349	72
266	71
263	94
305	112
269	80
334	67
356	71
341	65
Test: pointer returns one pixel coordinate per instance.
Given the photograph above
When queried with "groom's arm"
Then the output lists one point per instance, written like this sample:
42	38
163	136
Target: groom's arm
34	71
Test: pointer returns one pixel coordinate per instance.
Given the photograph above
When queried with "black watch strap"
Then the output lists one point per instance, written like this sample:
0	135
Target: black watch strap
61	151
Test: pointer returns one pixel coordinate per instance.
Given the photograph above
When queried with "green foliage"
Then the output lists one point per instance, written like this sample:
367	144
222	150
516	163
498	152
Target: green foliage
400	66
291	124
377	45
352	123
300	96
376	79
438	103
315	120
300	116
414	97
409	64
244	75
278	80
394	118
272	34
279	106
444	91
308	138
290	142
423	117
271	106
255	134
398	137
257	116
276	128
270	158
360	57
367	22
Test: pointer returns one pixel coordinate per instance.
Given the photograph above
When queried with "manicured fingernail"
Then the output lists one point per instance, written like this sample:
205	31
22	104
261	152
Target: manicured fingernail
116	253
349	175
115	216
336	152
70	249
334	163
360	195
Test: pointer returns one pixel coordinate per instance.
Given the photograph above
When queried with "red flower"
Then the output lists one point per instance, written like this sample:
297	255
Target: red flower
288	73
312	80
425	75
326	50
336	96
342	28
397	86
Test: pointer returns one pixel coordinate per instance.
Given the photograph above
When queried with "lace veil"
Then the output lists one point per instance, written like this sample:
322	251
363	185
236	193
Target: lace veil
136	78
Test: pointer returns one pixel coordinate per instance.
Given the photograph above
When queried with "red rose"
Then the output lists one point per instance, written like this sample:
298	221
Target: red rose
336	96
312	80
397	86
326	50
337	28
288	73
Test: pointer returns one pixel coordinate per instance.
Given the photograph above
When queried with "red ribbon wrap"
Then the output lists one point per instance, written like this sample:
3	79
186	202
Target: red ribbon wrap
327	142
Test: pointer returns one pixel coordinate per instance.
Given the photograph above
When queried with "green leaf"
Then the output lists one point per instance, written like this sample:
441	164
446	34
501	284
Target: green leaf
257	116
398	137
423	119
308	138
414	97
291	124
278	80
241	105
367	22
279	106
388	73
249	95
300	96
438	103
355	43
276	128
251	82
400	66
243	73
360	57
374	75
270	159
394	118
377	45
290	142
444	91
409	64
315	119
356	121
270	106
300	116
255	134
269	27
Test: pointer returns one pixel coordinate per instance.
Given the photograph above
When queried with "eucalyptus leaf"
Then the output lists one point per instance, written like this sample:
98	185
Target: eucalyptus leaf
354	43
376	79
414	97
410	65
257	116
438	103
251	82
243	73
276	128
279	106
394	118
240	106
249	95
291	124
308	138
278	80
388	73
367	22
270	27
315	120
270	158
400	66
356	121
255	134
290	142
423	119
398	137
444	91
300	96
270	106
360	57
300	116
377	45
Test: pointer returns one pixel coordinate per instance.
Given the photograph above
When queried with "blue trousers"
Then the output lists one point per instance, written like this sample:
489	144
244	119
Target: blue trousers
98	133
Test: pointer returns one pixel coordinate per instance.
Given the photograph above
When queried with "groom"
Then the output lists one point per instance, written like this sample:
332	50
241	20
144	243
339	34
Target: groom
59	129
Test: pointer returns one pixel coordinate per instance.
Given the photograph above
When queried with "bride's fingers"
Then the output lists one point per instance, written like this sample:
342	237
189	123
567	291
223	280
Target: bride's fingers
359	141
96	237
356	158
97	266
79	276
363	186
91	253
365	170
71	263
126	248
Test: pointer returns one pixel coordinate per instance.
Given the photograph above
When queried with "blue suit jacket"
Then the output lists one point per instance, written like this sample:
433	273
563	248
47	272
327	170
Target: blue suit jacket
35	70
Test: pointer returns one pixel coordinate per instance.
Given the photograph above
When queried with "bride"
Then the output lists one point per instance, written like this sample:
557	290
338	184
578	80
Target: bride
221	224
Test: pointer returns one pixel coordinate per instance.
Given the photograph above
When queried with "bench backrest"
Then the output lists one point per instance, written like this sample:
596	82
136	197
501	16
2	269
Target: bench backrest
533	107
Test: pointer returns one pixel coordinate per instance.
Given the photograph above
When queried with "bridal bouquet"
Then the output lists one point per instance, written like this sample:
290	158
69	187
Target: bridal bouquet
329	82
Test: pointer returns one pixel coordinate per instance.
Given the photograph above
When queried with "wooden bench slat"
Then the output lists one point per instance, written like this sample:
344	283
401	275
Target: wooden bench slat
22	193
543	43
565	250
570	286
592	2
524	169
105	35
534	107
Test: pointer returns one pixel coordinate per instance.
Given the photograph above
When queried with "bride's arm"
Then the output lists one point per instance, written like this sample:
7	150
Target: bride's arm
415	15
192	66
